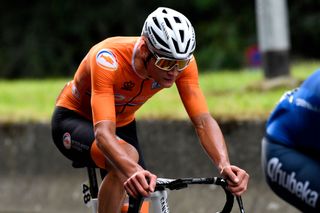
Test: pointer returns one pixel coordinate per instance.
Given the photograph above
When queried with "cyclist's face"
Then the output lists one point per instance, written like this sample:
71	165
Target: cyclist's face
165	78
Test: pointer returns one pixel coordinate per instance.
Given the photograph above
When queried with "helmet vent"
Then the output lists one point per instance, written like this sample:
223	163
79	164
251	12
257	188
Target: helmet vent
156	22
168	23
176	45
181	35
165	11
177	19
188	44
159	39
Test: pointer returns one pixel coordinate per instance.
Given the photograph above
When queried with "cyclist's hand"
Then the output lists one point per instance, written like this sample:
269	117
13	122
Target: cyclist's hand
140	183
237	179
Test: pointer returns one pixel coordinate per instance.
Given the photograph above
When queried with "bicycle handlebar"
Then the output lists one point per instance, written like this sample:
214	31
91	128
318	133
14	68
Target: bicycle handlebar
176	184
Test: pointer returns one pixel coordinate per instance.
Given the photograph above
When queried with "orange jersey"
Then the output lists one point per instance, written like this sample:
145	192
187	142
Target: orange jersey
107	87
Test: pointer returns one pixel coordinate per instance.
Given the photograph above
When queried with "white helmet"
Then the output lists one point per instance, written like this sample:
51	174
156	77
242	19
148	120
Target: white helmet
169	33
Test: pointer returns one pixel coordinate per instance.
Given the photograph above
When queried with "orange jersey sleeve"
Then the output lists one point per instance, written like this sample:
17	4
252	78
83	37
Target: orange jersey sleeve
190	91
104	65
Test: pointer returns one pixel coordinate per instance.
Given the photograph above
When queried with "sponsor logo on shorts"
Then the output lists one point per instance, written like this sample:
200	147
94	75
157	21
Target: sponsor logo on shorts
106	60
68	143
67	140
289	182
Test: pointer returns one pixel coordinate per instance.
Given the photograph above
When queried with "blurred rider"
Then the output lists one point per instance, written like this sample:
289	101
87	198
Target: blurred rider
291	147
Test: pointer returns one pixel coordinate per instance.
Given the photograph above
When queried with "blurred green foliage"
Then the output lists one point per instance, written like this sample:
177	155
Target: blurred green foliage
49	38
305	27
231	94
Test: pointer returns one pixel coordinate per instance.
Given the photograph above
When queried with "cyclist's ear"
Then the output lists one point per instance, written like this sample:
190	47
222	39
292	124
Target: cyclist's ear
144	50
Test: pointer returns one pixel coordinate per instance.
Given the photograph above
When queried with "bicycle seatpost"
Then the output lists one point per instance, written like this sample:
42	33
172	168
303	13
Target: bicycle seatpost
94	188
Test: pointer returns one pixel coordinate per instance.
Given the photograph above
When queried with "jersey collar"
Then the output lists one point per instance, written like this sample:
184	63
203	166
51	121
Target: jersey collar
132	59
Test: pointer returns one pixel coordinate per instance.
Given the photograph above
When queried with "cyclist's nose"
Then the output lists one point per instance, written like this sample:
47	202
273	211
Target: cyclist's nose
174	71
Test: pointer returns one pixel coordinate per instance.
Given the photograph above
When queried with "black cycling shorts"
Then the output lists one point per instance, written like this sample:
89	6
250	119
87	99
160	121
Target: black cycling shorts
73	135
293	175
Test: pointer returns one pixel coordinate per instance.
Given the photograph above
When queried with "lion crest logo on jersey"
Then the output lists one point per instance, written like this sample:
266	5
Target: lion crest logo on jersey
106	60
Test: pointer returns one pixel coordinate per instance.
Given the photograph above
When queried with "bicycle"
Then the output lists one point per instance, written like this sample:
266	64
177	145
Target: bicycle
158	199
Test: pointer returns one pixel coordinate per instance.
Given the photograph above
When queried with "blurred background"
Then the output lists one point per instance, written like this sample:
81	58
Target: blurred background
49	38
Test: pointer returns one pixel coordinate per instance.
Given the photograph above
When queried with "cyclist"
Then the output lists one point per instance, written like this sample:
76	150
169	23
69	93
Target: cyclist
291	147
94	121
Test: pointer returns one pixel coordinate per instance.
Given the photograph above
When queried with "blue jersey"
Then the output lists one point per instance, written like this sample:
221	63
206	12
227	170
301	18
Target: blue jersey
295	121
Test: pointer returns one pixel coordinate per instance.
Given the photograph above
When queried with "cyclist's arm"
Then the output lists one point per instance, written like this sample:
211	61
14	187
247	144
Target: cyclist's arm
110	146
211	139
104	119
208	130
135	177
